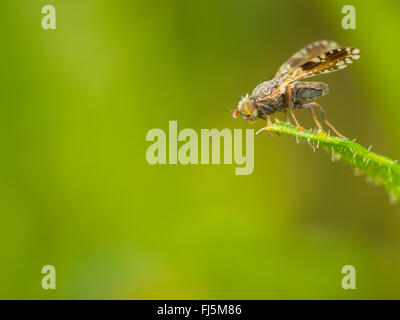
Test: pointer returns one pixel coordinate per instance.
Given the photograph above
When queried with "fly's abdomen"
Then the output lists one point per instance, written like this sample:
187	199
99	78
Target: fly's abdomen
307	91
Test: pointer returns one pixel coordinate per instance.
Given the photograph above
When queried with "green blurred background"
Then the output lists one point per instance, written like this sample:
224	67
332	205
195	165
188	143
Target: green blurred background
77	192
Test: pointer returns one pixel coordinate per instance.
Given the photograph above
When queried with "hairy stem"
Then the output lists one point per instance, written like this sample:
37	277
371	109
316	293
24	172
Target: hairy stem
380	169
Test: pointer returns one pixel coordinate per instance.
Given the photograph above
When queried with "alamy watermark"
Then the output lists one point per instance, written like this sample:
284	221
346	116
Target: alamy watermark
49	280
349	20
349	280
49	20
189	153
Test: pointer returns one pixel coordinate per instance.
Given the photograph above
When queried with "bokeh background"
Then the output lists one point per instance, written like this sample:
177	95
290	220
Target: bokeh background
76	191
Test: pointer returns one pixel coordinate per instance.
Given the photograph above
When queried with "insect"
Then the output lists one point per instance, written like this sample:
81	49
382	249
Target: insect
286	93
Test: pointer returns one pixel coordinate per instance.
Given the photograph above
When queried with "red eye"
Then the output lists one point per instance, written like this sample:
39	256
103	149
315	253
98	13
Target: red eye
235	113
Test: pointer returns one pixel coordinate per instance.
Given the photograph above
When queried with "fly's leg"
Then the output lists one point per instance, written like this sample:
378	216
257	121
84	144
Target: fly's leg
267	128
289	95
320	129
287	115
323	114
300	91
277	121
311	106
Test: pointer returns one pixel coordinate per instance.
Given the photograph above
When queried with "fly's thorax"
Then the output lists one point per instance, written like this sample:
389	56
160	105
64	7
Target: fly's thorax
263	90
270	91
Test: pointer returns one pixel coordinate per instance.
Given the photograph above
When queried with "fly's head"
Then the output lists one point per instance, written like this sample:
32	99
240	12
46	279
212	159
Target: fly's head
247	108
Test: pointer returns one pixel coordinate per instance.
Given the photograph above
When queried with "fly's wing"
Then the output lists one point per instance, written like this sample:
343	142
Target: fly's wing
312	50
333	60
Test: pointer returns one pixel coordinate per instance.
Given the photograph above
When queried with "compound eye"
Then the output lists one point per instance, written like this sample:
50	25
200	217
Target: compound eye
249	107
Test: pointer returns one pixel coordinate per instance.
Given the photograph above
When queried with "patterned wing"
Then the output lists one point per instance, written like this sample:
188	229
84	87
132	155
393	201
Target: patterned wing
333	60
312	50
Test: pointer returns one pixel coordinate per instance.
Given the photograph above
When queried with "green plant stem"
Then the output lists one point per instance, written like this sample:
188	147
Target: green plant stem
380	169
